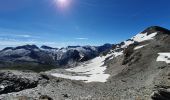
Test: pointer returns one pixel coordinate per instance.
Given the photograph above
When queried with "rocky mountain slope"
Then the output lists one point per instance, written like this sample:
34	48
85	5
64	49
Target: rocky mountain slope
136	69
44	58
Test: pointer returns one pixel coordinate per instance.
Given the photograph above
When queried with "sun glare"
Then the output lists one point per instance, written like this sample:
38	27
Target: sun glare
62	3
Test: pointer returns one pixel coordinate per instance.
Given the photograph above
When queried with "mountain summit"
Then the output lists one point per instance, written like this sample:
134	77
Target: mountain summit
158	29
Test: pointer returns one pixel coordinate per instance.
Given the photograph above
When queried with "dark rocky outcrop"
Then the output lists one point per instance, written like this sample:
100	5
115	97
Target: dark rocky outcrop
10	82
161	94
45	97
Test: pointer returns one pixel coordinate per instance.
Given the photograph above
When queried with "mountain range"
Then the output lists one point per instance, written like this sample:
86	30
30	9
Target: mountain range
45	57
135	69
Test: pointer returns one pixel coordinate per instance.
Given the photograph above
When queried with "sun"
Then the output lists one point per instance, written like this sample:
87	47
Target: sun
62	3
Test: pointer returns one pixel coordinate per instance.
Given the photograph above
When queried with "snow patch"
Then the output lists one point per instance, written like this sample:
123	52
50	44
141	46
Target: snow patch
143	37
116	54
139	47
2	87
127	43
164	57
139	38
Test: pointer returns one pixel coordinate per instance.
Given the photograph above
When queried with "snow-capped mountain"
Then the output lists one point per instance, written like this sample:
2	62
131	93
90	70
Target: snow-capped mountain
45	55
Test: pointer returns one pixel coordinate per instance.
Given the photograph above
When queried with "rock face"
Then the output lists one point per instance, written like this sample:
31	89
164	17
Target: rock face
14	81
135	73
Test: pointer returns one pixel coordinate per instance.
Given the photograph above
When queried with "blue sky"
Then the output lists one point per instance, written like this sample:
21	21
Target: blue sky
78	22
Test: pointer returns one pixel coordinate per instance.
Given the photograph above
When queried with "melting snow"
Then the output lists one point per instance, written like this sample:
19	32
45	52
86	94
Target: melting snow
139	47
88	72
93	71
164	57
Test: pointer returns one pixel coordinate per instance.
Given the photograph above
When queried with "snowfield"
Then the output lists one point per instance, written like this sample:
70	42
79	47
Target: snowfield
92	71
164	57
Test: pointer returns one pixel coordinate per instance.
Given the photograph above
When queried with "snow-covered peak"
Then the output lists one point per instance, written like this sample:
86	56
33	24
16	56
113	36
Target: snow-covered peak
141	37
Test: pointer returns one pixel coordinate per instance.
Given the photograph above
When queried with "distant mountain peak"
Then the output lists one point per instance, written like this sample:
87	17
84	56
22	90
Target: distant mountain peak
7	48
27	47
73	46
47	47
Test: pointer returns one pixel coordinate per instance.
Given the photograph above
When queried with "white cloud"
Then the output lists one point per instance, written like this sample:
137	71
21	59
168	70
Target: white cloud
24	36
11	35
81	38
